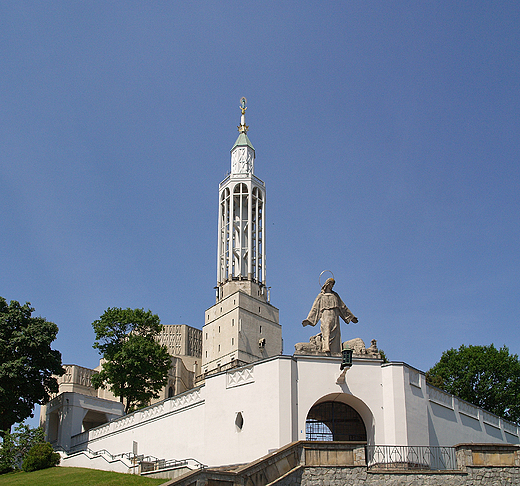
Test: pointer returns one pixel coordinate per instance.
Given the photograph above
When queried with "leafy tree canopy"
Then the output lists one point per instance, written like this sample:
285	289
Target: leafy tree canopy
482	375
27	362
136	365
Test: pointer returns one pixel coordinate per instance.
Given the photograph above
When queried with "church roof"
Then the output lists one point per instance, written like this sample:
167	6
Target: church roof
242	140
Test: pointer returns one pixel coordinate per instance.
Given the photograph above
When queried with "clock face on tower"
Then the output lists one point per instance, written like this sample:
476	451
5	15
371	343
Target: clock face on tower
241	161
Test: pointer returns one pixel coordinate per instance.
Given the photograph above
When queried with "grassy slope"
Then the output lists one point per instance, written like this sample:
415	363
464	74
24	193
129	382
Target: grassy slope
72	476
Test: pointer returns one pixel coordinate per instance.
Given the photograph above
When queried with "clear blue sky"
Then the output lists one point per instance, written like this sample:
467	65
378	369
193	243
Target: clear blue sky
387	134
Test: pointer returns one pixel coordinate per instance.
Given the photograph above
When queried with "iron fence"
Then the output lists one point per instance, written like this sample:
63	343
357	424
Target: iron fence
434	458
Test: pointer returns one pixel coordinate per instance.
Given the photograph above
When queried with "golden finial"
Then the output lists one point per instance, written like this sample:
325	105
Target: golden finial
243	128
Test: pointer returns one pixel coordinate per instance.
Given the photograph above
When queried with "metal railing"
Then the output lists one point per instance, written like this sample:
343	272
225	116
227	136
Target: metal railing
133	460
433	458
148	465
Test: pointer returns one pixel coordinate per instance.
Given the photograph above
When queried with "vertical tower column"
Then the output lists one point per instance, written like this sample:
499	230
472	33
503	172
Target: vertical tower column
241	244
242	326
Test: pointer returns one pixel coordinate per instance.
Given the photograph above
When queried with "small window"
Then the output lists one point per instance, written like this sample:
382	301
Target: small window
232	322
259	310
239	421
260	329
232	341
206	335
206	354
218	328
219	347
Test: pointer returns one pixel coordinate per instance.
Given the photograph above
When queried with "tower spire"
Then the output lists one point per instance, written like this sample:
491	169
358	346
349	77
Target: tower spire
241	249
242	326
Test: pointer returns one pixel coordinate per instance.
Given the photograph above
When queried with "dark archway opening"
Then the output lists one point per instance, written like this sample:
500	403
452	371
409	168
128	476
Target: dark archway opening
330	421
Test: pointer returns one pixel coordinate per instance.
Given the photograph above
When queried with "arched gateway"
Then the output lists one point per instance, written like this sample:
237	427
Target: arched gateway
334	421
339	417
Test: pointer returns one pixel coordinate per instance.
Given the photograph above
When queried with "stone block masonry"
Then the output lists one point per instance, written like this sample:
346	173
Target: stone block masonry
359	476
478	465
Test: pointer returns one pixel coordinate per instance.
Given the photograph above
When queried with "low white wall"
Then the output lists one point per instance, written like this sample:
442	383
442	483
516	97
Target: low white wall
172	429
453	421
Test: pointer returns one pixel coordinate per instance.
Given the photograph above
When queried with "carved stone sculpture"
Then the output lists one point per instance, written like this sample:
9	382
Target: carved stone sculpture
373	348
359	349
357	345
328	308
312	347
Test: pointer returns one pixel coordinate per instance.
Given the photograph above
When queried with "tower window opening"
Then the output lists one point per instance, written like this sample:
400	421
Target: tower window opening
260	329
232	341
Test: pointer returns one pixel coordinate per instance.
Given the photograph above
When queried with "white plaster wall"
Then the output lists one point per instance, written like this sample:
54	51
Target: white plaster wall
416	407
84	459
363	391
449	425
274	397
395	426
164	430
264	398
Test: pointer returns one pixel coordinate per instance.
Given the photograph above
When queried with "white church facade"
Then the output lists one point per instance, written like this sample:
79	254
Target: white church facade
233	397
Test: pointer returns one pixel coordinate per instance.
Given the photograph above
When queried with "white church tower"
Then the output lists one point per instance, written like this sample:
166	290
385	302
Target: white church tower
242	326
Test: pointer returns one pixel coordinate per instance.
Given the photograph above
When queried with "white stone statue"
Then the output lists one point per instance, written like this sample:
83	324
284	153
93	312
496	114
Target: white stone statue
328	307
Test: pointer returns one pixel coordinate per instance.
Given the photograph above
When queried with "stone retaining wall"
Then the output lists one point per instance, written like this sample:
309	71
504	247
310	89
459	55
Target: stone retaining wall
338	464
359	476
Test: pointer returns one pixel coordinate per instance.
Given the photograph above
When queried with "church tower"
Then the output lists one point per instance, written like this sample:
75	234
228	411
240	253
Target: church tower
242	326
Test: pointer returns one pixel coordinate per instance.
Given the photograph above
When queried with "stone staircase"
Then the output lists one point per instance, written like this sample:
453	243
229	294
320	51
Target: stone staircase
278	466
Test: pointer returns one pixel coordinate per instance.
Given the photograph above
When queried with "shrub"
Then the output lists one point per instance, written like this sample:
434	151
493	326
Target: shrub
40	456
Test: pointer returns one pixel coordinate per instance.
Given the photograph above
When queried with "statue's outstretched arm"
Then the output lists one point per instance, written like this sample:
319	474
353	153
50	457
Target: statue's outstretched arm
314	313
345	313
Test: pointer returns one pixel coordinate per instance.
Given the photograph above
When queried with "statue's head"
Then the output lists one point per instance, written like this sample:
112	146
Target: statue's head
327	286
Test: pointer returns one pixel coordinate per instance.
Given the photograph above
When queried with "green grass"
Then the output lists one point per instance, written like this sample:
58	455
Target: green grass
72	476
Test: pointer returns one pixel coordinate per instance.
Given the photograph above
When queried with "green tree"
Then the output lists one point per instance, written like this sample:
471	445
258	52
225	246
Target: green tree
482	375
15	446
136	365
27	362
